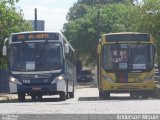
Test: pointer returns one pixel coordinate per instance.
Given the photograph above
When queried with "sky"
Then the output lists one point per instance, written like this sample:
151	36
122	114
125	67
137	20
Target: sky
52	11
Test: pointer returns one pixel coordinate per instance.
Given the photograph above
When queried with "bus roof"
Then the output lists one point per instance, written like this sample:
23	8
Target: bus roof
36	32
124	33
127	36
58	32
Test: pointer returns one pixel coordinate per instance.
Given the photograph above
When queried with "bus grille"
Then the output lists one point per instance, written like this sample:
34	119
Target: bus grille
122	77
33	76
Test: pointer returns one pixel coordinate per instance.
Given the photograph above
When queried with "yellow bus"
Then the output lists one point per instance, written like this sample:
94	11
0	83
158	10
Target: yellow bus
125	64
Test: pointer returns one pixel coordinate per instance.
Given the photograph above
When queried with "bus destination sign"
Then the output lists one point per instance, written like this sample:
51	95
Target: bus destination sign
35	36
127	37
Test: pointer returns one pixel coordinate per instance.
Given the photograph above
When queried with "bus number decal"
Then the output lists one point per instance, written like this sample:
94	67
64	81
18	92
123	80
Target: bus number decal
34	36
123	45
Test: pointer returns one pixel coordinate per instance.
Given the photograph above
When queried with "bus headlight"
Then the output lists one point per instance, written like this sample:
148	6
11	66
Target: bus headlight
149	78
14	80
57	79
106	77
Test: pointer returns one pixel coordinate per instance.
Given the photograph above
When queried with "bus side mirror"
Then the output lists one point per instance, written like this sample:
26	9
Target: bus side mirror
66	48
4	50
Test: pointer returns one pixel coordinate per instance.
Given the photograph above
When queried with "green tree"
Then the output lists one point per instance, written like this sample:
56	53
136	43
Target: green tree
77	11
11	20
84	31
149	20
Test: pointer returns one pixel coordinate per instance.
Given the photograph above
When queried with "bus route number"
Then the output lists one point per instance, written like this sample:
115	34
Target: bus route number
38	36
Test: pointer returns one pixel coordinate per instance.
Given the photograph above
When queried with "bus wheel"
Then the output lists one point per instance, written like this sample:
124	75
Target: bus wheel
71	94
145	96
21	97
106	94
100	94
67	95
33	97
133	95
154	94
62	96
39	97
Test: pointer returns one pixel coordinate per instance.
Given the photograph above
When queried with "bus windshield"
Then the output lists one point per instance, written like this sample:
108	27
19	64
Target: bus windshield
35	56
128	57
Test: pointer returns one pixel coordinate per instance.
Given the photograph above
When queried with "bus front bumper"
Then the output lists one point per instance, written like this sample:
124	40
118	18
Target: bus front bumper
14	88
43	88
143	86
37	88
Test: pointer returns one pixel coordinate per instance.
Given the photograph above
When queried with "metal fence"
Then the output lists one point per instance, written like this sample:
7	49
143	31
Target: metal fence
4	81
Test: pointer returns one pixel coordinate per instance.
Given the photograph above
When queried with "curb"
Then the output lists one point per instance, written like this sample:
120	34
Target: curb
7	97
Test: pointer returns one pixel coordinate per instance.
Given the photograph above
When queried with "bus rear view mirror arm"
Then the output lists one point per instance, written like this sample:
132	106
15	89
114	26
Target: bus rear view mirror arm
66	48
4	50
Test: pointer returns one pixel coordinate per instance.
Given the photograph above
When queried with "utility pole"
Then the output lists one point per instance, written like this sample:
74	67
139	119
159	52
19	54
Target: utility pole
98	24
35	26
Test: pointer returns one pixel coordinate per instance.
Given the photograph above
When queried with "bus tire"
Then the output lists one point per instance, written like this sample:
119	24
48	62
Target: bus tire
21	97
106	94
62	96
100	94
39	96
71	94
33	97
154	95
67	95
135	95
145	96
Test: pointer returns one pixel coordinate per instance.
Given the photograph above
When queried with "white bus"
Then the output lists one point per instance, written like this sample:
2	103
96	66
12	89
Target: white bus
40	63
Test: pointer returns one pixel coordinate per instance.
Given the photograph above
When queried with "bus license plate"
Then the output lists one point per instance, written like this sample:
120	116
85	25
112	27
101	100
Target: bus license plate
36	88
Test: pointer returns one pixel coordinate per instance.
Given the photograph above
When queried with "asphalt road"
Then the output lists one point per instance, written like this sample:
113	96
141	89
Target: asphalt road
86	102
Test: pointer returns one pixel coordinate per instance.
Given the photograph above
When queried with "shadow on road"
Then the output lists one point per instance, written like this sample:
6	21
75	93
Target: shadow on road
110	98
89	99
29	100
81	85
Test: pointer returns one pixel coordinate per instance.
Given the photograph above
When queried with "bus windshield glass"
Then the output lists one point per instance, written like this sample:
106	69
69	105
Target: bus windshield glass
35	56
128	57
